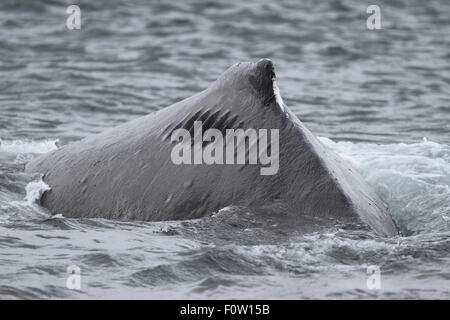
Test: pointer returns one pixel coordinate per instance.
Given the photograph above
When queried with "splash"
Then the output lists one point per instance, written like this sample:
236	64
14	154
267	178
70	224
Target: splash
413	179
28	207
35	190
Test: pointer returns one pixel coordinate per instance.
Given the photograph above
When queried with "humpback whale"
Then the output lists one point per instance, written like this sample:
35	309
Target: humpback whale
127	172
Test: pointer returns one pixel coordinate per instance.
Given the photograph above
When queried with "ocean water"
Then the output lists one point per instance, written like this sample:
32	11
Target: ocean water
381	99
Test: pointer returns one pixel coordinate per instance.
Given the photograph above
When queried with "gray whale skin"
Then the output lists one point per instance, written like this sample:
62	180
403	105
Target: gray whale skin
127	173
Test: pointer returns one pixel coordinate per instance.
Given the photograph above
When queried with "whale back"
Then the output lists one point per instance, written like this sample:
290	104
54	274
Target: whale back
127	172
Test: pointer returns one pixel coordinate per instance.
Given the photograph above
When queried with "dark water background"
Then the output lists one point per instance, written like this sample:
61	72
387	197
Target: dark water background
375	94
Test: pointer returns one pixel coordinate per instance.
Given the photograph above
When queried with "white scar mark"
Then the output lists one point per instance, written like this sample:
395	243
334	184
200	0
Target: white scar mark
276	92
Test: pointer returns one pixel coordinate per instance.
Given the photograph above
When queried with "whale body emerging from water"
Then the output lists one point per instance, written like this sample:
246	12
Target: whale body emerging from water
128	172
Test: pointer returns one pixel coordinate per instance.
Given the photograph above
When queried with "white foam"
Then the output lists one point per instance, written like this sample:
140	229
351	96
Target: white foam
20	147
413	179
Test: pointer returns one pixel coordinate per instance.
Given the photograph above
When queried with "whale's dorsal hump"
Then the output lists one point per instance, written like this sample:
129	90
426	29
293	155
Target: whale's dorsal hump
256	77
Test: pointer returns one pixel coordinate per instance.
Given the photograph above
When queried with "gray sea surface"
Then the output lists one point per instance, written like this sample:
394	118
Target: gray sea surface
379	98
